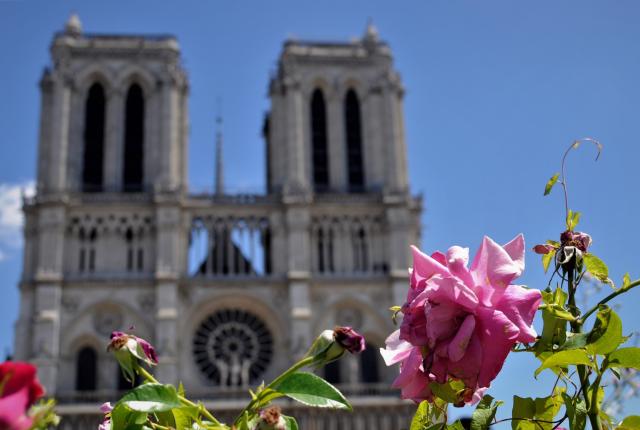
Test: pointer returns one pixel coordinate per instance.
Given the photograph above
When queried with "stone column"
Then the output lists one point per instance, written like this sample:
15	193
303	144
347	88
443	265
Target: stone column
396	172
59	141
168	263
166	335
298	167
45	345
337	143
374	138
114	140
399	221
297	220
167	174
45	135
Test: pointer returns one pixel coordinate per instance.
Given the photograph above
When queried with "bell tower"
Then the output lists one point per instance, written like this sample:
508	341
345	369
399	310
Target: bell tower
336	123
113	116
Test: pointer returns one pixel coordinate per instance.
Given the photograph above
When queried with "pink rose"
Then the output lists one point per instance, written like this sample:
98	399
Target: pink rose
19	389
460	323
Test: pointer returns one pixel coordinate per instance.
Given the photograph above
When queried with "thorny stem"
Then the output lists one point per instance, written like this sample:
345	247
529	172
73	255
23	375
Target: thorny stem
149	377
574	145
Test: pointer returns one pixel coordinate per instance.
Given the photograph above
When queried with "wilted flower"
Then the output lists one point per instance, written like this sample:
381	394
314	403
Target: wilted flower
271	419
19	389
106	409
580	240
139	347
460	323
127	348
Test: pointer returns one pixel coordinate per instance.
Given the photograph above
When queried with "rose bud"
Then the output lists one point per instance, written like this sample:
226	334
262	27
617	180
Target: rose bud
349	339
580	240
106	409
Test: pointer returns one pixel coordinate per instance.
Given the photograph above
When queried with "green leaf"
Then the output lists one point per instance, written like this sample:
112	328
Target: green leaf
312	390
123	417
455	426
151	398
544	409
550	183
554	330
484	414
606	334
576	412
625	357
632	422
626	280
565	358
266	396
547	259
596	267
290	423
421	419
560	312
451	392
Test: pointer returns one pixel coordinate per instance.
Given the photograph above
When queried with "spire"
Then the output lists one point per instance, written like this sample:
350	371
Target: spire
371	33
219	185
73	27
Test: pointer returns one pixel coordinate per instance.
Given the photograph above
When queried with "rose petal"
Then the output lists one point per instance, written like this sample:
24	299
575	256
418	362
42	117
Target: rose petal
493	269
520	304
497	336
458	345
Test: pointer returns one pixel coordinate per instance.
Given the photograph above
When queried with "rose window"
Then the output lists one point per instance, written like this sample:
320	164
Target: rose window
232	347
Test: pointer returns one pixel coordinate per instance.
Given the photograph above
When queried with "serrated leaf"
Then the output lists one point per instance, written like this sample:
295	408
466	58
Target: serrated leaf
625	357
576	412
565	358
550	183
151	398
485	413
606	334
311	390
596	267
631	422
421	419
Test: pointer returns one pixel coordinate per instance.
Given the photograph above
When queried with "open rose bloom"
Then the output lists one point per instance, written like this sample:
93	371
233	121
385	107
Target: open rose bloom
461	322
19	389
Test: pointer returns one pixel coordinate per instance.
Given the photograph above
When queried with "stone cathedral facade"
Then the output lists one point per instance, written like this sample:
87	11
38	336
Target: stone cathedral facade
230	288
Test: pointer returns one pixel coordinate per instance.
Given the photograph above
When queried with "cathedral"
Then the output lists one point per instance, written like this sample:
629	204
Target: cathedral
230	288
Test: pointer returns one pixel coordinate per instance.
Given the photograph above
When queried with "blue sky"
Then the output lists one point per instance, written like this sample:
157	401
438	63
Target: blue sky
496	90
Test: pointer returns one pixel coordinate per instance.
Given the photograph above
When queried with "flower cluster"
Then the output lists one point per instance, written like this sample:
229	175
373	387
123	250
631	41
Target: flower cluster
19	389
460	323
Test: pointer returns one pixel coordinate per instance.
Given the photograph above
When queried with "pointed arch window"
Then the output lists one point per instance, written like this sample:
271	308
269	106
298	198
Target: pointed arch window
86	369
320	155
134	140
94	120
353	128
369	365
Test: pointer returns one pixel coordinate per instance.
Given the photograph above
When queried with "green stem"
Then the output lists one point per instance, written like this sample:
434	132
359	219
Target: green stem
594	410
576	327
300	364
149	377
608	298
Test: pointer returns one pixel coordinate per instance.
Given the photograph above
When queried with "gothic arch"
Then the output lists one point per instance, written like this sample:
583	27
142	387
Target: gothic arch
133	74
94	73
84	326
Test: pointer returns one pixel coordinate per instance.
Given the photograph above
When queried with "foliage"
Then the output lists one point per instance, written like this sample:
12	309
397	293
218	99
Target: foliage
156	406
580	347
